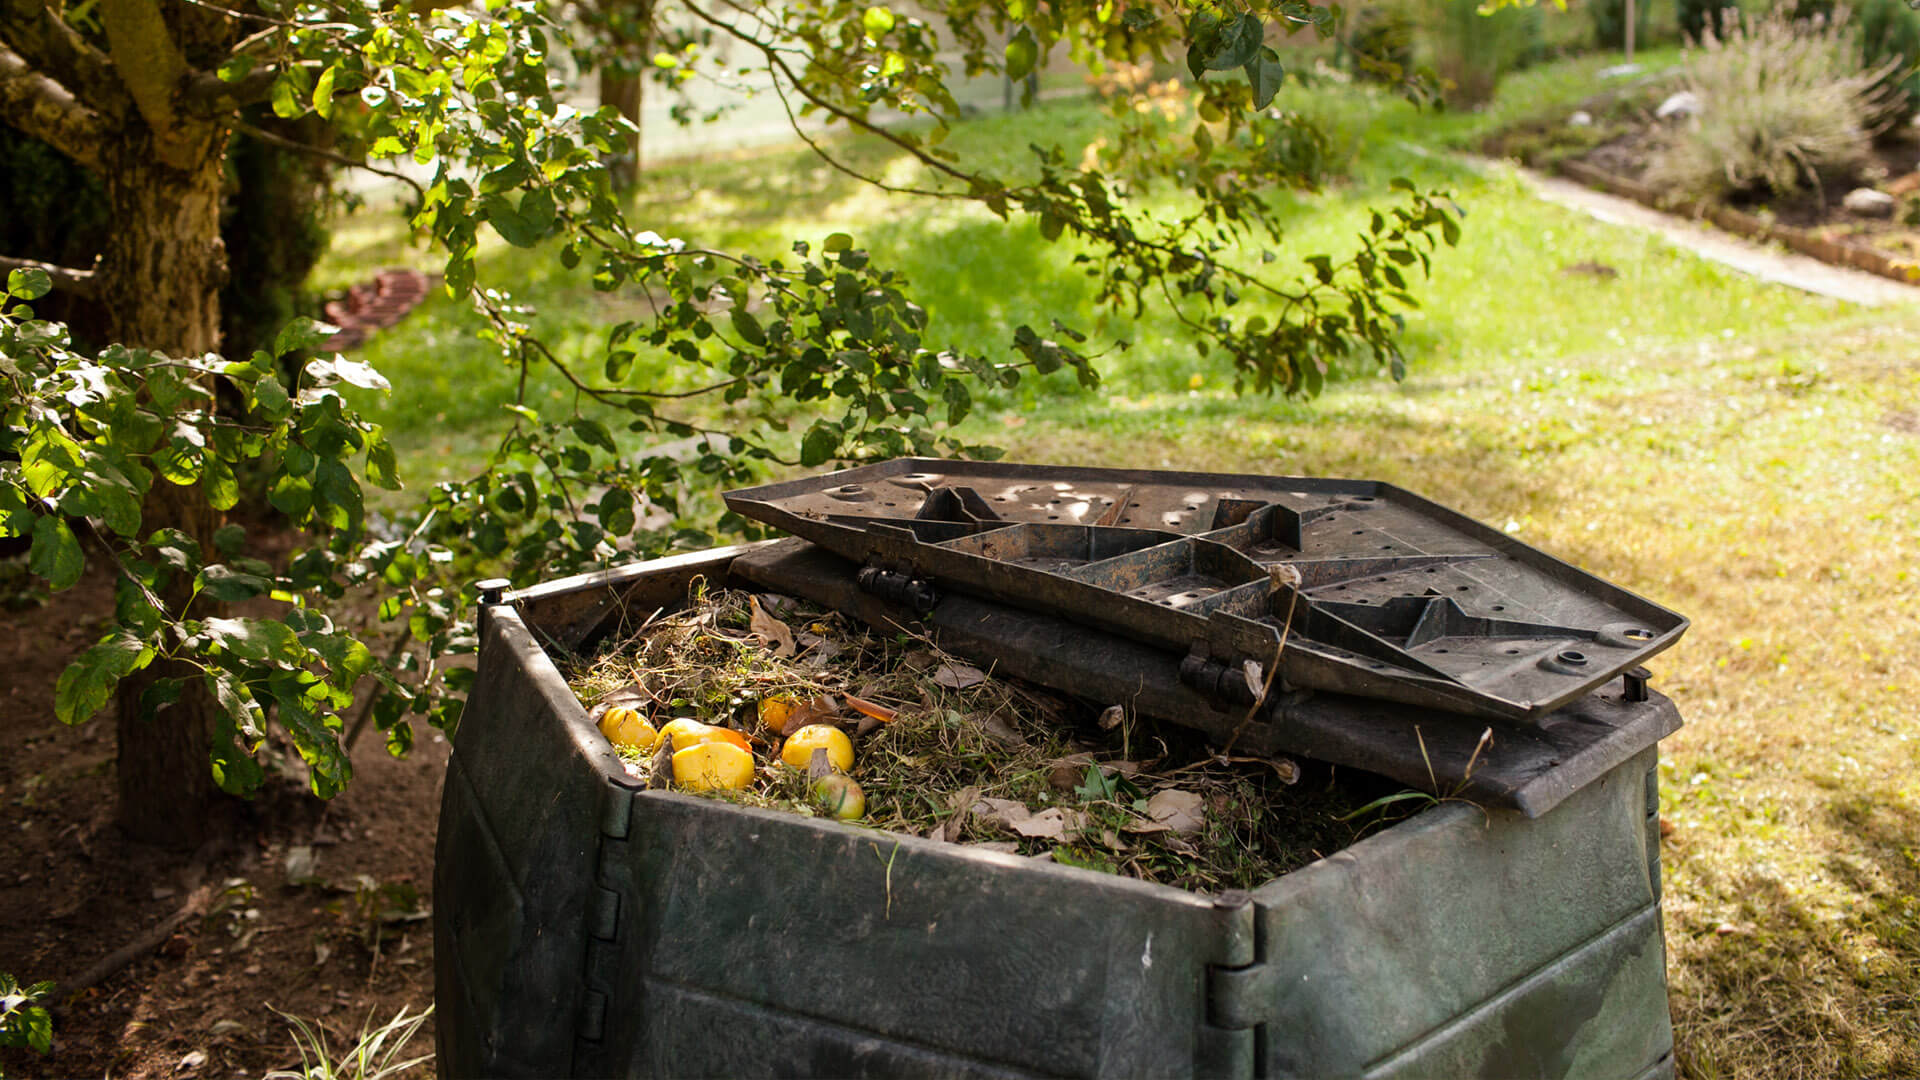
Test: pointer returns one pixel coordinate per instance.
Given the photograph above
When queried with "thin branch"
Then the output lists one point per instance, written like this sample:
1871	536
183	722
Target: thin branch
47	42
207	94
327	155
78	282
32	103
267	19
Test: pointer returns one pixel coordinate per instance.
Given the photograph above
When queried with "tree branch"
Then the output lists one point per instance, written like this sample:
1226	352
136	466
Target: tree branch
79	282
38	106
328	155
151	66
35	30
205	93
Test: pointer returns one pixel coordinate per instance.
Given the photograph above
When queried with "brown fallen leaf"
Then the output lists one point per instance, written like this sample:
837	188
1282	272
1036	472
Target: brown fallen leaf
1004	847
819	709
769	629
958	676
962	804
868	708
1001	811
1053	823
1181	811
1112	840
1067	773
918	660
1111	717
995	727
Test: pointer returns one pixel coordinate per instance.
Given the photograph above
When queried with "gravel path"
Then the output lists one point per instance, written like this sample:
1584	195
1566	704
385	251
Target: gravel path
1762	261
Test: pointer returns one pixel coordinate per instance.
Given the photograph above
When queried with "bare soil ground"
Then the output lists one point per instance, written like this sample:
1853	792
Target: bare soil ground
333	952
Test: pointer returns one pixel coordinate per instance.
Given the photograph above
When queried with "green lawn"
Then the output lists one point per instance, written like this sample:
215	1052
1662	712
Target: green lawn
1746	454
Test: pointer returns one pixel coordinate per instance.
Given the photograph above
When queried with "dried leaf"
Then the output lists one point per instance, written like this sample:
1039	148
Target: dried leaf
661	768
819	767
769	629
1005	813
1065	774
958	676
820	651
918	660
994	727
868	708
962	803
819	709
1112	840
1256	679
1111	717
1004	847
1181	811
1053	823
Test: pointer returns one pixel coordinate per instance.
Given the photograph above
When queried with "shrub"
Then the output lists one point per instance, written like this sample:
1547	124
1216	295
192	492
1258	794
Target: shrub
1887	31
1471	51
1379	43
1782	104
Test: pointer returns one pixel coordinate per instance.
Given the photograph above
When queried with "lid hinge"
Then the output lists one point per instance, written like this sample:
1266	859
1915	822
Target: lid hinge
1240	997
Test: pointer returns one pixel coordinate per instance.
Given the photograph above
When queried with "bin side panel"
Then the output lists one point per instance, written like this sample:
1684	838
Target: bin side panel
688	1037
992	960
1375	948
520	830
1599	1012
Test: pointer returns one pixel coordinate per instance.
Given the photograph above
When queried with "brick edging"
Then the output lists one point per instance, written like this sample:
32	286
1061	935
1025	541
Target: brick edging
1804	241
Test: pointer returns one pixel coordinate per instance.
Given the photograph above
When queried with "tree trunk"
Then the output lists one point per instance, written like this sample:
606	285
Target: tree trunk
629	28
622	91
160	286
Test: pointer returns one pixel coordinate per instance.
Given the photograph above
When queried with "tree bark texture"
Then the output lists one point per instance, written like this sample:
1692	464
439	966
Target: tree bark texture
160	281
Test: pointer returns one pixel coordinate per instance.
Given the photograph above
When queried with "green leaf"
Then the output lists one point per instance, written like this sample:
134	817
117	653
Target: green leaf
1023	52
383	469
87	684
262	640
301	333
877	21
819	445
29	284
270	397
837	242
323	94
285	98
747	326
230	586
593	433
1236	42
223	489
56	554
1264	75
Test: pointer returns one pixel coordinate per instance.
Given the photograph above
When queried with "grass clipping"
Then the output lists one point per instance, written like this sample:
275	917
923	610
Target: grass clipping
946	751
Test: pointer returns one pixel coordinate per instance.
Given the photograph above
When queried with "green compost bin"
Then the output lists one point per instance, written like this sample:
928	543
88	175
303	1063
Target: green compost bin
585	927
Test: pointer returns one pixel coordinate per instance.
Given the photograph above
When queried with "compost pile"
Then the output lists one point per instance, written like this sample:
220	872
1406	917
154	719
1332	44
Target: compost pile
767	701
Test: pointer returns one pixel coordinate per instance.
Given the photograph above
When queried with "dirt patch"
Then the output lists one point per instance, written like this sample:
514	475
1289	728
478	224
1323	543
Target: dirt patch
75	890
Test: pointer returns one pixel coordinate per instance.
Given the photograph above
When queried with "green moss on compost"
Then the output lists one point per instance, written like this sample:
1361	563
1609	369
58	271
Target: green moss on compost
952	748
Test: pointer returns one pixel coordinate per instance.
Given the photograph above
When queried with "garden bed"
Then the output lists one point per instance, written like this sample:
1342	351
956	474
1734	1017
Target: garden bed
1612	152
